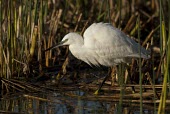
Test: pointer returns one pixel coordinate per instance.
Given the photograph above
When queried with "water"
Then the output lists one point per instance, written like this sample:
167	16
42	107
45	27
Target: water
79	98
67	102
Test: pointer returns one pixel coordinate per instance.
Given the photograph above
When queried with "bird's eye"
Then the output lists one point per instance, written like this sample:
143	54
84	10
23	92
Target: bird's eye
65	40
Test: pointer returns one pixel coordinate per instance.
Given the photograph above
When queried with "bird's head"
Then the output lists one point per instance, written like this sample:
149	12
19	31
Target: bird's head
69	39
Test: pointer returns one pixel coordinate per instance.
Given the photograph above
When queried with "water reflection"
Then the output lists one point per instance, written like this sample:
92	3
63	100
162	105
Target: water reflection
65	103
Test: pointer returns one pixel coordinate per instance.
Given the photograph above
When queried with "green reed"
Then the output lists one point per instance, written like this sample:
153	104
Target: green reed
165	44
19	42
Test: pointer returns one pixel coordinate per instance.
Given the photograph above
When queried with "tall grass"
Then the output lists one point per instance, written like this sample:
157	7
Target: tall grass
165	44
21	30
140	68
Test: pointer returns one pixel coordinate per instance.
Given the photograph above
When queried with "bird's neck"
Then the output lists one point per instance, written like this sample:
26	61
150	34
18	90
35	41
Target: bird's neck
77	50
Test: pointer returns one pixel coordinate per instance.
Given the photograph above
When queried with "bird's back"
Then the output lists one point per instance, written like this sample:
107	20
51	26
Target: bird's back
110	46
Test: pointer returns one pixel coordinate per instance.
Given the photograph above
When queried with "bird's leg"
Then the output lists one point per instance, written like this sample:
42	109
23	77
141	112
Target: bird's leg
111	71
100	86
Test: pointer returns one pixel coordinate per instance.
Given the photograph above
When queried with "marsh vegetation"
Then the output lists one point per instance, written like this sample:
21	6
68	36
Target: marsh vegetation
28	27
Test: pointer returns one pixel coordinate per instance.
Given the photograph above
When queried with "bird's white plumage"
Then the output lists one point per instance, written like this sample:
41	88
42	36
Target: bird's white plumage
105	45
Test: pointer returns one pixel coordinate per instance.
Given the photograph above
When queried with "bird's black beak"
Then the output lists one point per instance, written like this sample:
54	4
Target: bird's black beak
56	46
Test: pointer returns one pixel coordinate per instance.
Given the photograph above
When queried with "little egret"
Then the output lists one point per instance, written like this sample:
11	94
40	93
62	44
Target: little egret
104	45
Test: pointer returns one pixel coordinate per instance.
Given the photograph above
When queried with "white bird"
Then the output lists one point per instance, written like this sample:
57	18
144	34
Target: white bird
104	45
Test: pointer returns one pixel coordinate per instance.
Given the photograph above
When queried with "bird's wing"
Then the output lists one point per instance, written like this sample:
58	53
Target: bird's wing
108	41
